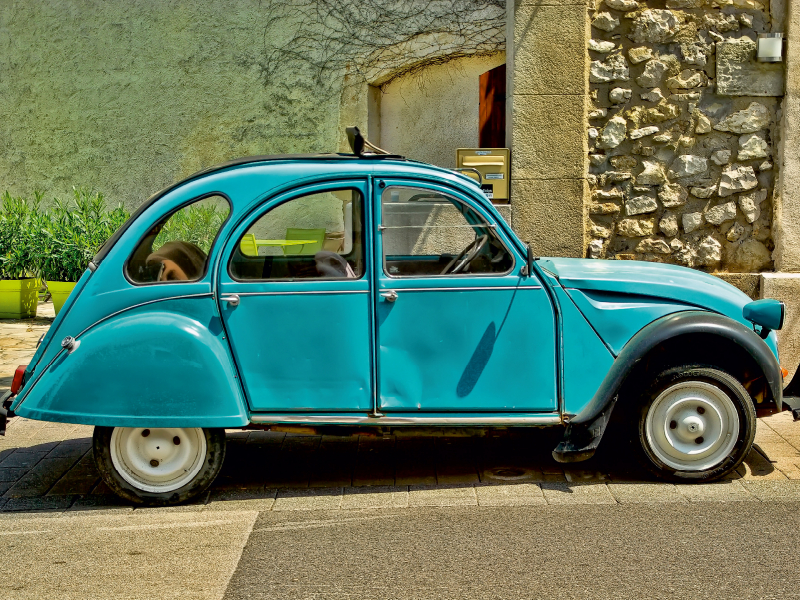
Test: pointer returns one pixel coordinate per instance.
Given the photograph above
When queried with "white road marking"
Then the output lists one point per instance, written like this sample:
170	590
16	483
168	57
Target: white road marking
167	525
294	525
25	532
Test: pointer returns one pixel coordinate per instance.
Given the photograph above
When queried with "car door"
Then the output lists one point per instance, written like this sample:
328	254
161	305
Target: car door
294	291
459	327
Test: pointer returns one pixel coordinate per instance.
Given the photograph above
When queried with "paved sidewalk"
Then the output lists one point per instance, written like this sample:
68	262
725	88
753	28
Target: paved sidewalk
49	466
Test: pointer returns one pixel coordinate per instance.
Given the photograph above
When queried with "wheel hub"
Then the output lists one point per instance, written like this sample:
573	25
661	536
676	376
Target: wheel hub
158	460
692	426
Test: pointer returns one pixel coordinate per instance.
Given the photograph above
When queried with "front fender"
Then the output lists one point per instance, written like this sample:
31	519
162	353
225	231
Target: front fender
162	365
671	326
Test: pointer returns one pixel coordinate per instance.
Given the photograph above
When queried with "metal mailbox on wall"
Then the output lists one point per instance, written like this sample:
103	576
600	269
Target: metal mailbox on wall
493	164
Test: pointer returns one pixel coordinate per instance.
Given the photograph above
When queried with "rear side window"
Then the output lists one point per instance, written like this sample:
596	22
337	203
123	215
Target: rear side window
314	236
177	247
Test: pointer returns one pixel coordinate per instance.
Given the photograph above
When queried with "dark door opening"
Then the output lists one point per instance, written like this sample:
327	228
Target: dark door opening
492	111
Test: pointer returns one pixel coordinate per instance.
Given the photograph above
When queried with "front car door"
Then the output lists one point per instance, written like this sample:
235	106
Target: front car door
294	289
459	327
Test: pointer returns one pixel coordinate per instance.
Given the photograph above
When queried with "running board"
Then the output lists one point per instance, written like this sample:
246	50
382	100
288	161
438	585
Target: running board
408	420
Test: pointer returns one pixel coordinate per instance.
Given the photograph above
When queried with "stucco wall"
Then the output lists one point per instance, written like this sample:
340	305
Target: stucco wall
429	114
129	96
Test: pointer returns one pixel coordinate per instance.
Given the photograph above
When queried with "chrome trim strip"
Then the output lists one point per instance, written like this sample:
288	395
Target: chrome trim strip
299	292
468	289
360	419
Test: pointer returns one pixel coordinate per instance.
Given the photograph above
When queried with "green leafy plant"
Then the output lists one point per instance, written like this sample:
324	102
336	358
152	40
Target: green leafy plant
71	233
197	223
19	221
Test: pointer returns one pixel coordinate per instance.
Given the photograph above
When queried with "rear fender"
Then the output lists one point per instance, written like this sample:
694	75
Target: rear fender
161	365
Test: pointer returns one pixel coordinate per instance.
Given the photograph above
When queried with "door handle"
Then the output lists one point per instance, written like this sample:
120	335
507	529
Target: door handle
389	295
231	299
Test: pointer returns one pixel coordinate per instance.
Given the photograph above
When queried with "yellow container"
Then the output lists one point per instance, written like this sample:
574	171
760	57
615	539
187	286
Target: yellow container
19	298
59	292
494	165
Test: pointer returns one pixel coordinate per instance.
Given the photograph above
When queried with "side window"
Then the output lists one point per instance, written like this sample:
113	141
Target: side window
177	247
315	236
428	233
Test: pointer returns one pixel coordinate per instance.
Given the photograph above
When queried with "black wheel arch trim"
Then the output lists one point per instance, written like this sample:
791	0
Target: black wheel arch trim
671	326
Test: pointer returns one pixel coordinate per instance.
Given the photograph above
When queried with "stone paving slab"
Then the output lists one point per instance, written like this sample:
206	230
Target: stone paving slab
514	494
309	499
770	491
383	497
790	467
722	491
442	495
242	499
577	493
627	493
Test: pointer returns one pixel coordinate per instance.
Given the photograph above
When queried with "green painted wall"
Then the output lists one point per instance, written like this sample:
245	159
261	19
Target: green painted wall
128	97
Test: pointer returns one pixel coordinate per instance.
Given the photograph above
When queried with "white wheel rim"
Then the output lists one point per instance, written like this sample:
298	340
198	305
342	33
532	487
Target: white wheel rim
158	460
692	426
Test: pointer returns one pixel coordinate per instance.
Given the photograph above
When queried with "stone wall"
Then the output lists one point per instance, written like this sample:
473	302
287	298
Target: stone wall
682	133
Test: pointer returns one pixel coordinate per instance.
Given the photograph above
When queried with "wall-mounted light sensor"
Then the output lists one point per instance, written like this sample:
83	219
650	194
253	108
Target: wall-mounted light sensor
769	47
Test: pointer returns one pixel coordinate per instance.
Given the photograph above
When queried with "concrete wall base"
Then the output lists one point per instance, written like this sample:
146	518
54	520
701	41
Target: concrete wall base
786	287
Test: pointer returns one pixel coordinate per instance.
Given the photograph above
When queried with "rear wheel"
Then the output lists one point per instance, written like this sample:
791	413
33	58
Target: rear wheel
697	423
158	466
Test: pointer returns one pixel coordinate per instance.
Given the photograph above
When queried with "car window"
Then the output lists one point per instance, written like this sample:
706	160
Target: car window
177	247
314	236
427	233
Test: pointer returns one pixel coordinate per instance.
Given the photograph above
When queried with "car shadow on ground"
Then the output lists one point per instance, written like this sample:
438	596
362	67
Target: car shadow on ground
261	464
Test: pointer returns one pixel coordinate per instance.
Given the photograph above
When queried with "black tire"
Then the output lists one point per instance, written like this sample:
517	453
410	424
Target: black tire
211	465
728	461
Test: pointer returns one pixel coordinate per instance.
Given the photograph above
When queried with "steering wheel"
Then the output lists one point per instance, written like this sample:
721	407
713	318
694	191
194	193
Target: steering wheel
466	255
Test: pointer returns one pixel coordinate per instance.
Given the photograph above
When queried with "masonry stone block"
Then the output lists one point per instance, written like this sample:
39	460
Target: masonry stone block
548	137
549	214
739	74
547	41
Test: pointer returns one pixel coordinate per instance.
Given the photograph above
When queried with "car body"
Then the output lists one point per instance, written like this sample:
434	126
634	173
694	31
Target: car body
494	338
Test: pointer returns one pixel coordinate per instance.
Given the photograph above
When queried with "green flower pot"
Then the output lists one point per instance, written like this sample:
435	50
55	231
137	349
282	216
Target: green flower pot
19	298
59	292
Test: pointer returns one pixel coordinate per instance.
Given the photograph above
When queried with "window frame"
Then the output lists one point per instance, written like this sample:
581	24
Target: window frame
489	225
258	215
161	218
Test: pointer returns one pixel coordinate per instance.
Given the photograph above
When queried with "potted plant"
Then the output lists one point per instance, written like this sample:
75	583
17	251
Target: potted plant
19	284
71	235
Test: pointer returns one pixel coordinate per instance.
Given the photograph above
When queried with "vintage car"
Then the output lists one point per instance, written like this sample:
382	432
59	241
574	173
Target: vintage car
369	291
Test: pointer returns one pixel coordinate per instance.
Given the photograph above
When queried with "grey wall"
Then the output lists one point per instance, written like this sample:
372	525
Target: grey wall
128	97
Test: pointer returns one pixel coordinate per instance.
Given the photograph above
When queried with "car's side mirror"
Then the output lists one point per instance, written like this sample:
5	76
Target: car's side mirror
527	270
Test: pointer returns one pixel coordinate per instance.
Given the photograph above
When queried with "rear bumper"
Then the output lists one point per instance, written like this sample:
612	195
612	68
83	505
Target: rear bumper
5	410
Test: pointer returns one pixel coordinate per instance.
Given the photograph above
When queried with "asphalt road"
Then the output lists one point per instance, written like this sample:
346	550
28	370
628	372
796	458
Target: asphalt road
708	550
703	550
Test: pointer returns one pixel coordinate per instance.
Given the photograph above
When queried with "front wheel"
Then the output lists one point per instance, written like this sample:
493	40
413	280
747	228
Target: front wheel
158	466
697	423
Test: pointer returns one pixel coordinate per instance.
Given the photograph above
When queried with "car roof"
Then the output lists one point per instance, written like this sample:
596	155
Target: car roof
246	160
